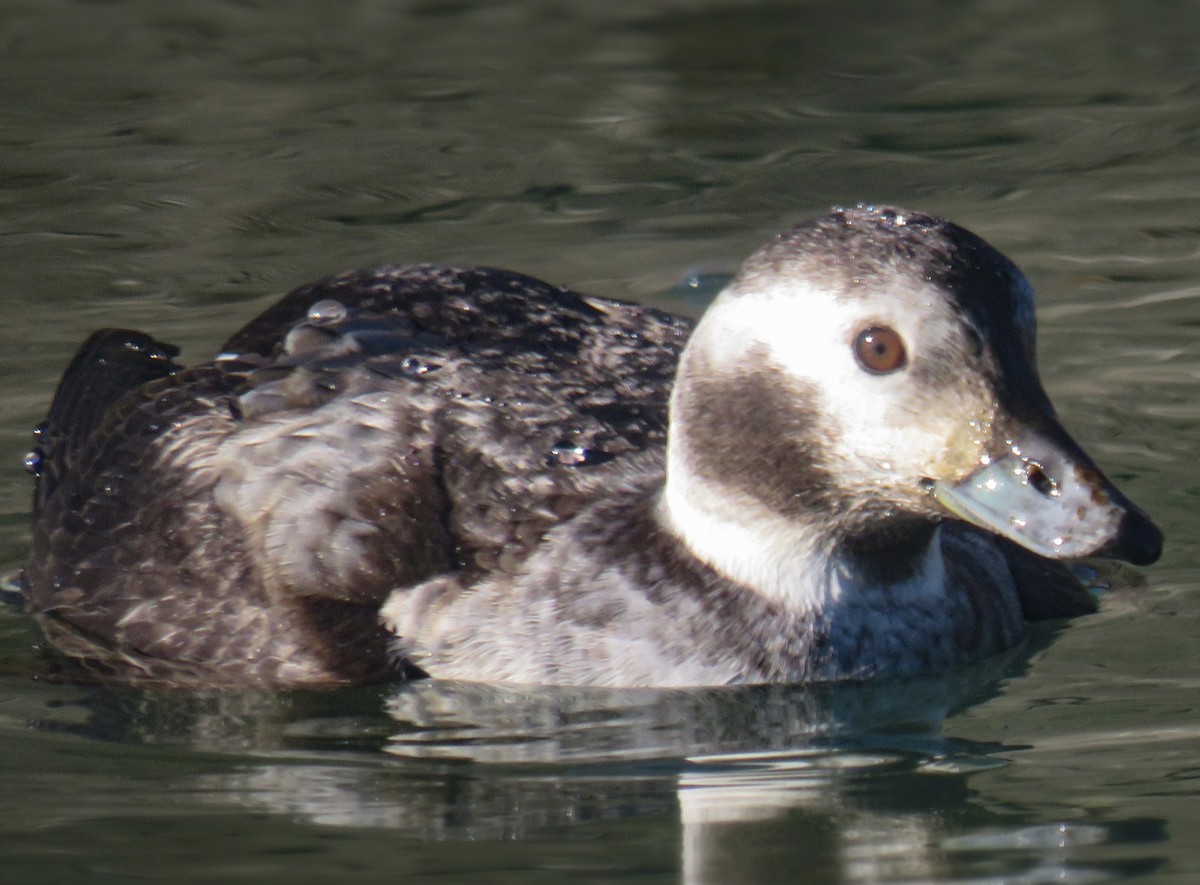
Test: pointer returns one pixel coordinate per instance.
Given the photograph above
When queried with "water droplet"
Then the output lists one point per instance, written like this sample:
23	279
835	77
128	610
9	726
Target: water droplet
566	454
415	366
326	312
41	430
701	285
33	462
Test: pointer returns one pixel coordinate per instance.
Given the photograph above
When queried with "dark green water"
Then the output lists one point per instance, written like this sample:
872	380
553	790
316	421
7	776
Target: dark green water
176	166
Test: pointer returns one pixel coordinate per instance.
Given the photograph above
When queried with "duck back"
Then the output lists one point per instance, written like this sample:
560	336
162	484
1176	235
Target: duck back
242	521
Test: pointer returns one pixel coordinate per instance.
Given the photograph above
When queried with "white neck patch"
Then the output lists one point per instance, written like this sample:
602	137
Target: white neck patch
782	559
789	562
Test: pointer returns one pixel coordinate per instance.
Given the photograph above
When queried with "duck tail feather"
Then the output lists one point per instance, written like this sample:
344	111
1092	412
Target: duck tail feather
109	364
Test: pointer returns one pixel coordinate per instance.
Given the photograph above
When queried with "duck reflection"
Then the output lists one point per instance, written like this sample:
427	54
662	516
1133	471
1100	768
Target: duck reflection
833	783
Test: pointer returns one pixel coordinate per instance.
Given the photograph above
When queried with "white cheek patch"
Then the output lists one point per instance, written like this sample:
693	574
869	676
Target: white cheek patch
879	421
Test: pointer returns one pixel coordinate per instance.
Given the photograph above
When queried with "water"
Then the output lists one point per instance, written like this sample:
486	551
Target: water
175	167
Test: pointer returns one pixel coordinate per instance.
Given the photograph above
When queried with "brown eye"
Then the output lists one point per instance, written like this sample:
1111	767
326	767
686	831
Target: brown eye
880	350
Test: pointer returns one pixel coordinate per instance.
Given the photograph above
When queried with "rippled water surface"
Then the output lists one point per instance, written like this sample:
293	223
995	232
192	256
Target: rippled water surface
176	166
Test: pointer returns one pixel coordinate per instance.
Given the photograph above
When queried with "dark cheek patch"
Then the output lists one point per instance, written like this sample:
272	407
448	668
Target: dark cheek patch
754	434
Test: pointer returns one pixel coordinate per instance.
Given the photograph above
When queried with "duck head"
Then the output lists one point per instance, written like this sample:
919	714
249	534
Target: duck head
865	376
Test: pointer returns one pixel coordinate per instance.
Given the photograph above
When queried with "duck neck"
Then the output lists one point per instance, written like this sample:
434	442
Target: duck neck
804	565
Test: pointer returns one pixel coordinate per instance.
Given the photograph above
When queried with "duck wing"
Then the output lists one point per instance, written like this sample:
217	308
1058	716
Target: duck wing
367	432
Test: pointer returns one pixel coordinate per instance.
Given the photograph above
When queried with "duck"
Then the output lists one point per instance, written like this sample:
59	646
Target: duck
846	469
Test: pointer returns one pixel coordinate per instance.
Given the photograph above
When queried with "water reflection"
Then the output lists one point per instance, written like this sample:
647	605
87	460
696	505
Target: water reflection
848	783
504	726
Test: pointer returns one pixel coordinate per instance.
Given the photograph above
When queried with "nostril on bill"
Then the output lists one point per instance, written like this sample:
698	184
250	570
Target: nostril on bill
1040	480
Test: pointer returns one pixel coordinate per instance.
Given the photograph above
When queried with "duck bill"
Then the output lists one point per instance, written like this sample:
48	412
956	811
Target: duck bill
1048	496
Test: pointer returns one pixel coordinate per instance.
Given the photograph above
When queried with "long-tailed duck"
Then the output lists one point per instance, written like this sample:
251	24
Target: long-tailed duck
847	468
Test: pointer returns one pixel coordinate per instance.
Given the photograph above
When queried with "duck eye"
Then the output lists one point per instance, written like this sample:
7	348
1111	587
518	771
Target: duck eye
880	350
